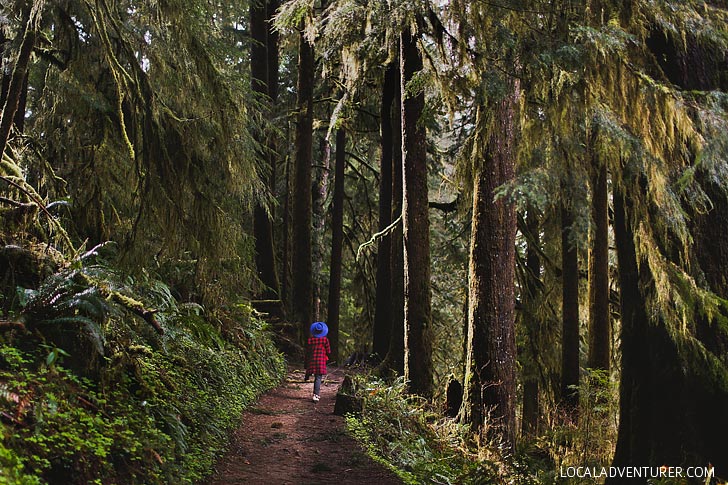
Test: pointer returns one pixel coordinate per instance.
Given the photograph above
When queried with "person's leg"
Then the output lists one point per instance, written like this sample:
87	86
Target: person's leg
317	384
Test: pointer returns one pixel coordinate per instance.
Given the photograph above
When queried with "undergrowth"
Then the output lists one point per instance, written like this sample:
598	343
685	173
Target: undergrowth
586	439
411	438
91	393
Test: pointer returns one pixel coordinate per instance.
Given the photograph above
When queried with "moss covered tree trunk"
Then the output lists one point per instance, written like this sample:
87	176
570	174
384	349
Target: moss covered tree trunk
383	308
394	360
490	373
301	264
529	362
262	224
674	387
570	308
417	304
599	320
674	383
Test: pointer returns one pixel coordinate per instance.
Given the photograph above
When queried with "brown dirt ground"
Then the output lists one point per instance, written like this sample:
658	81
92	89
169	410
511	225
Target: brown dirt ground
287	439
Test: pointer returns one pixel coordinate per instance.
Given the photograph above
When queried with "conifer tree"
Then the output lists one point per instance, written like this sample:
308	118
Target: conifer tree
570	306
415	219
599	314
301	262
383	311
490	380
261	83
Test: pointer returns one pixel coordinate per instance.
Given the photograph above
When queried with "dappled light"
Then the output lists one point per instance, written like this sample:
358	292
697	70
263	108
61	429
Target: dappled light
345	241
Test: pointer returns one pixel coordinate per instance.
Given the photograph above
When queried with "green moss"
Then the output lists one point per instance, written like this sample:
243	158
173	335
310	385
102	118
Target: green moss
156	409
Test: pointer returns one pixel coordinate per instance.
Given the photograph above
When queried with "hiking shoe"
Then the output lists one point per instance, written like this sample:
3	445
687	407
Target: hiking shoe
316	398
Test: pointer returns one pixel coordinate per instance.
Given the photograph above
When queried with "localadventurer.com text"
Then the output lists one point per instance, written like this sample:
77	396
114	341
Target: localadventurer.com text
636	472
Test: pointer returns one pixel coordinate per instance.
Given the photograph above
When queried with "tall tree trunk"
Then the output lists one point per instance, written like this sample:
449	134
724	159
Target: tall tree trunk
18	79
337	240
674	375
262	224
667	377
599	321
570	310
394	361
272	139
417	303
22	104
632	432
490	378
301	264
321	184
383	307
286	236
711	249
531	403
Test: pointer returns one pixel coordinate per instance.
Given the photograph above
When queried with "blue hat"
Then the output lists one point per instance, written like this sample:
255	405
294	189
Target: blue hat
319	329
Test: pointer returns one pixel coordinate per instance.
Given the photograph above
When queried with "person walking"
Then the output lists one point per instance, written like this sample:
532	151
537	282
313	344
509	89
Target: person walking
317	354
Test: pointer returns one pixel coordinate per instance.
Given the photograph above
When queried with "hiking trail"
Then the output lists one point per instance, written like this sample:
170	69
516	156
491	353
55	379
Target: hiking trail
285	438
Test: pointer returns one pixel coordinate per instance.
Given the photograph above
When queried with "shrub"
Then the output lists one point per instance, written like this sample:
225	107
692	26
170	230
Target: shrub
135	406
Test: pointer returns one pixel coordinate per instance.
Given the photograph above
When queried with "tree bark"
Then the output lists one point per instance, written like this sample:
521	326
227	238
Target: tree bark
319	196
490	379
570	311
417	297
22	105
337	240
286	236
383	307
531	403
599	321
394	361
301	264
634	397
262	223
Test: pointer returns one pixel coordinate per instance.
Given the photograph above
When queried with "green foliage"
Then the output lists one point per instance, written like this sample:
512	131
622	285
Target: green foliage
406	434
297	14
155	409
411	438
588	441
12	468
141	108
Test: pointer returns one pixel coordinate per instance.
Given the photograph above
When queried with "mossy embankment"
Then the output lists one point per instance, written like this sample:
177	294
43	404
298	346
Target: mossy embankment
105	378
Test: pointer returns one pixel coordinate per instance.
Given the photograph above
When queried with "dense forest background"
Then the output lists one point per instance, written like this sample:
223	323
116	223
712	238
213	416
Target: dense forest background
519	207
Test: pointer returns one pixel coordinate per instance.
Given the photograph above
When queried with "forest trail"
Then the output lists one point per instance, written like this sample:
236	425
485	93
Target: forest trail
287	439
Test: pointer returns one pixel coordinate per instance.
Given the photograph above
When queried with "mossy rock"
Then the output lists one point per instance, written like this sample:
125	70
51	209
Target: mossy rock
347	402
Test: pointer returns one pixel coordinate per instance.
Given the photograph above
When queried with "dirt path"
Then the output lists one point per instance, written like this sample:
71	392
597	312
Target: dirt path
287	439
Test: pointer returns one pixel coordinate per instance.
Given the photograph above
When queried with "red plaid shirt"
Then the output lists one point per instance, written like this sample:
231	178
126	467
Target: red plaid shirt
317	354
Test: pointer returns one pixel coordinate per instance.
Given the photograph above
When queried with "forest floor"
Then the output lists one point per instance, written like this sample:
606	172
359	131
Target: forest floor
285	438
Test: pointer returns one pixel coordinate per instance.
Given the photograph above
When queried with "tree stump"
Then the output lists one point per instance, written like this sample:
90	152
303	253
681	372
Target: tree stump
454	397
346	400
